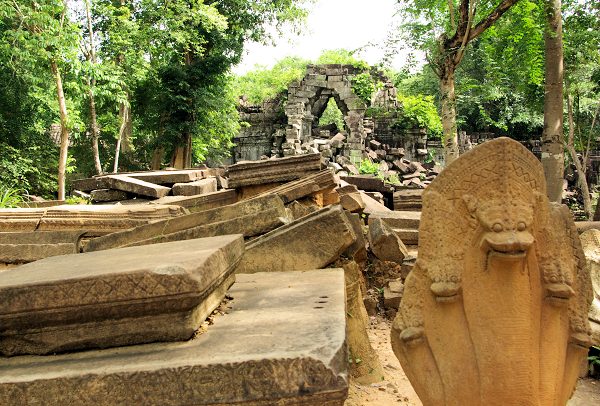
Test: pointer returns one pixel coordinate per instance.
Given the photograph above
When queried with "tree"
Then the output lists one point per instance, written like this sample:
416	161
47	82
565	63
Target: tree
37	38
552	136
444	29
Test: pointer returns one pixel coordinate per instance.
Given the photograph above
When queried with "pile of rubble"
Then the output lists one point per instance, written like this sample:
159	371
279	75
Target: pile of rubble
118	276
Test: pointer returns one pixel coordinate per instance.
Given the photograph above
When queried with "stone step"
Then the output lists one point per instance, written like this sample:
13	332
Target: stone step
114	298
255	354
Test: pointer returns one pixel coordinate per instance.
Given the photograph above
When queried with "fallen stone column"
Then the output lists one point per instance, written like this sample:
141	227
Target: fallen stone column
22	247
291	351
310	242
114	298
249	217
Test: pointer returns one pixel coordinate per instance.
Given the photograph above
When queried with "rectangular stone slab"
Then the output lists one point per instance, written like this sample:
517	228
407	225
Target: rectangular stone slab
399	219
312	241
28	246
23	219
169	177
249	217
305	186
283	342
201	202
198	187
112	298
272	170
136	186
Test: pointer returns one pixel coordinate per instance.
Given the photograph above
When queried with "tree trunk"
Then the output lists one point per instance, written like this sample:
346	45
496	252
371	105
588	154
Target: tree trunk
448	101
64	130
91	56
552	144
123	118
581	179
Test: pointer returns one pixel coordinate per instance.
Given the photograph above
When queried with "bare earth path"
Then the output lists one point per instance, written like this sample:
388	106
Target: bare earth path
396	389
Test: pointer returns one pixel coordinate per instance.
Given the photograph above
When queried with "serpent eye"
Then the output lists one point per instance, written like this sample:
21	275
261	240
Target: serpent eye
497	227
521	226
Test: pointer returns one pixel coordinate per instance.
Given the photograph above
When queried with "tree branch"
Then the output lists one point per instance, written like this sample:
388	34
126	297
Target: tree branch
491	18
452	16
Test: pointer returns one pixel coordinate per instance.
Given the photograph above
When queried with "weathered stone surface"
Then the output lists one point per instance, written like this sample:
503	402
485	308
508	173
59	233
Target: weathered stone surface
272	170
200	202
300	209
170	177
350	198
102	219
372	205
107	195
368	183
499	295
408	199
256	354
136	186
310	242
89	184
20	219
93	219
358	250
199	187
28	246
249	217
305	186
399	219
392	294
384	242
114	298
365	366
590	240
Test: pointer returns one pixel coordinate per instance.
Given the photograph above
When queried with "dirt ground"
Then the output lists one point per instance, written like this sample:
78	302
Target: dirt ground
397	390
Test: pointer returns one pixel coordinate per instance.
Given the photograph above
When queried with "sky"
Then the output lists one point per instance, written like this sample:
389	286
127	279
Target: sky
331	24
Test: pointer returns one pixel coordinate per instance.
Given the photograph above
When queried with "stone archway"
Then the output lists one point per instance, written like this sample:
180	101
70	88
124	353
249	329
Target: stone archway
308	99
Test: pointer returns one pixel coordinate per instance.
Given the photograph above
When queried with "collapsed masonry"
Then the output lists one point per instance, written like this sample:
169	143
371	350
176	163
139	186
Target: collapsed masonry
110	300
289	124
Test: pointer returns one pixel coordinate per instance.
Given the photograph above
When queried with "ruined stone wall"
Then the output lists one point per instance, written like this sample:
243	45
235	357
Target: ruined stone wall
262	129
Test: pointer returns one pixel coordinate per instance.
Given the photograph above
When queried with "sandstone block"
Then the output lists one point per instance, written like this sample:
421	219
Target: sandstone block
107	195
385	244
170	177
114	298
310	242
200	202
256	354
136	186
199	187
249	217
28	246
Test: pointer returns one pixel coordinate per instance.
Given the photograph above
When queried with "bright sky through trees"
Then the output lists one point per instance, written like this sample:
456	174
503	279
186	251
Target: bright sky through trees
332	24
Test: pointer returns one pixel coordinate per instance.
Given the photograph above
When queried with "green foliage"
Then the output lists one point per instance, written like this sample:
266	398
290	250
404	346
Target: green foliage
29	168
420	112
10	198
341	57
368	167
364	86
263	84
332	114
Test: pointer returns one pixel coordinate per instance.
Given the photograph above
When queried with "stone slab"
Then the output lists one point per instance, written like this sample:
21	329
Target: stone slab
272	170
22	219
107	195
169	177
199	187
368	183
310	242
28	246
283	342
305	186
249	217
101	219
113	298
136	186
399	219
201	202
89	184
